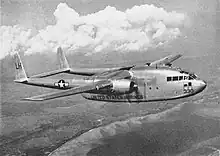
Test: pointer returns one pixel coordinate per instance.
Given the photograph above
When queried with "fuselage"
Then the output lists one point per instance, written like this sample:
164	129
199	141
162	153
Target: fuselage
154	84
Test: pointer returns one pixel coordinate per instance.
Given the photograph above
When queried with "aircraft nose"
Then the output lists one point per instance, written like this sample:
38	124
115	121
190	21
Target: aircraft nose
202	85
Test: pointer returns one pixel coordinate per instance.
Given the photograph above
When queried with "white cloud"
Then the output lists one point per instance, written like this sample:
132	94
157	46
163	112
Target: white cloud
137	28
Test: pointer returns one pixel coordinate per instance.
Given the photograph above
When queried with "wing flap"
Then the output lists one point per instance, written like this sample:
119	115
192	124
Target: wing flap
73	91
50	73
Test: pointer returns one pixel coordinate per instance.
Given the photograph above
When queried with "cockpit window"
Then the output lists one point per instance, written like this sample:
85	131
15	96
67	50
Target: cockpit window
186	77
179	78
191	75
190	78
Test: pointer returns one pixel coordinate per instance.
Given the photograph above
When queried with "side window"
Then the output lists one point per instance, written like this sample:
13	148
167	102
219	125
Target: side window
180	78
190	78
186	77
169	78
175	78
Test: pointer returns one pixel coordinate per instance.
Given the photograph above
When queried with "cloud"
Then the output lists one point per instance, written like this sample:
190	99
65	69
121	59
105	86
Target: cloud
137	28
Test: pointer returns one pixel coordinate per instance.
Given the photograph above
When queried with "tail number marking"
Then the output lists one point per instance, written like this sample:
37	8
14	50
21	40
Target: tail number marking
18	65
187	88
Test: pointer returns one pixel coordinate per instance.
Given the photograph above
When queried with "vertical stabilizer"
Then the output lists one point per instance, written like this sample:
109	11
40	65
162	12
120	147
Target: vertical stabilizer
62	59
20	75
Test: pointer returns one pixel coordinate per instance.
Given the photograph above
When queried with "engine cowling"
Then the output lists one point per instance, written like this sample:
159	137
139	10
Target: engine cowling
123	86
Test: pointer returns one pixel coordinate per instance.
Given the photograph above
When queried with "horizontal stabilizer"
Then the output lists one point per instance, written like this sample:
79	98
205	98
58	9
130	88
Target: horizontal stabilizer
73	91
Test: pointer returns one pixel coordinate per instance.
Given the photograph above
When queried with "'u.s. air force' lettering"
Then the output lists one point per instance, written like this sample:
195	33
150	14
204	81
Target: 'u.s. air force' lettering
61	84
116	97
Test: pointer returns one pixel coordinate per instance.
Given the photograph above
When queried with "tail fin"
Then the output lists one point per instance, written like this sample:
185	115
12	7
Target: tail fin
20	75
62	59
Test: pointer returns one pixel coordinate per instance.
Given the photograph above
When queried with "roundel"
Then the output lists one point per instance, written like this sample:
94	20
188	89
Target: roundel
61	84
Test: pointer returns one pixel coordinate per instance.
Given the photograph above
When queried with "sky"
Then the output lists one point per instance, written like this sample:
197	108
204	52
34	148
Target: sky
97	26
94	26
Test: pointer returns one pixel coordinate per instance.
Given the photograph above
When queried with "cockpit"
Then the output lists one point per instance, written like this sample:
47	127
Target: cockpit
185	75
179	78
192	76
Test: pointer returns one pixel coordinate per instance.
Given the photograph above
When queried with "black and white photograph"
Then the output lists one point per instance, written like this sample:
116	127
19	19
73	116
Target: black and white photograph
110	78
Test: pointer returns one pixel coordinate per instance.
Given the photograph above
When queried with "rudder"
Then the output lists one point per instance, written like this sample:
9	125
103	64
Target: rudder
63	63
20	74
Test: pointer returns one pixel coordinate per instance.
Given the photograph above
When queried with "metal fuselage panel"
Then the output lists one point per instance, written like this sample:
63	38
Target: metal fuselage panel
152	86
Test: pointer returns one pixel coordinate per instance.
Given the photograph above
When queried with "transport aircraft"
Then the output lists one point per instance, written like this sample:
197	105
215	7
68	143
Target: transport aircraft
155	81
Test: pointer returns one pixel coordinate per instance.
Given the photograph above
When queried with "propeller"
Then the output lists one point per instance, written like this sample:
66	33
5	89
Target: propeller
135	88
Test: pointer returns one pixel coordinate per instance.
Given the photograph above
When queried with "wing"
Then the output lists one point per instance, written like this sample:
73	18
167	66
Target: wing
73	91
81	71
166	61
66	70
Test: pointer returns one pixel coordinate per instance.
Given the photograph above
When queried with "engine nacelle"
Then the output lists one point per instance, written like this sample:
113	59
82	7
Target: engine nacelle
123	86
